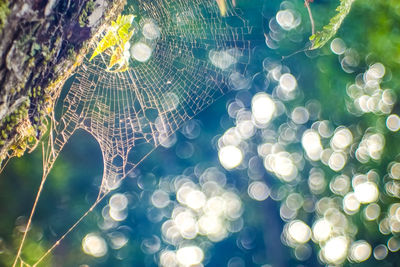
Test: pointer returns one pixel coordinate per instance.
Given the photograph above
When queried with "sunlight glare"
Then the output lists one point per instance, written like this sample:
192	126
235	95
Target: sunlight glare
189	256
299	232
311	142
335	250
195	199
263	108
322	230
230	156
366	192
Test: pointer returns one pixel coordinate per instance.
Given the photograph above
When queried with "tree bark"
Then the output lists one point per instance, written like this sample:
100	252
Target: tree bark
41	44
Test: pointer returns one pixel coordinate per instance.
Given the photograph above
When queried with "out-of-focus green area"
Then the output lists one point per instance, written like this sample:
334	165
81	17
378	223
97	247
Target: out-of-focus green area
298	168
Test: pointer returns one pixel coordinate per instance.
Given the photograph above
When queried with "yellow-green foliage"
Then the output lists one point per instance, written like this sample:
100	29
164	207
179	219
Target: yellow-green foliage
320	38
116	38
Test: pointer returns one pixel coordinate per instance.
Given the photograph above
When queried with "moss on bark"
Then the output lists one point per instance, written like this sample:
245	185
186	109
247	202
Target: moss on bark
41	44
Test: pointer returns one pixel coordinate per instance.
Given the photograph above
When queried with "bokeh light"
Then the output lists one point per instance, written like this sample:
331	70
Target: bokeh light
258	191
298	232
230	156
360	251
94	245
322	230
366	192
393	122
335	250
189	256
263	108
319	142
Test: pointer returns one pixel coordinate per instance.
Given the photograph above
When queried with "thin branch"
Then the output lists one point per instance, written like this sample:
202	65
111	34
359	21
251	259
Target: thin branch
28	225
4	164
100	197
68	231
295	53
307	4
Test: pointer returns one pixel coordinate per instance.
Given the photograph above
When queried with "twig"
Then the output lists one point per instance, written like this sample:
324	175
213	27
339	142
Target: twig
307	4
295	53
4	164
28	225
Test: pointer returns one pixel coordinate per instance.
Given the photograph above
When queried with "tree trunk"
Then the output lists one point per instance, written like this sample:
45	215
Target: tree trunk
41	44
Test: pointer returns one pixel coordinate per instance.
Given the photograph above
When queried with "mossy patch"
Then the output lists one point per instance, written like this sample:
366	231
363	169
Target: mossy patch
4	11
86	11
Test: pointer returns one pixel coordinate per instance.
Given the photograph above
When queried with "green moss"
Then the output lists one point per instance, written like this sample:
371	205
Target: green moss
9	126
71	52
24	127
47	54
35	48
4	11
21	129
86	11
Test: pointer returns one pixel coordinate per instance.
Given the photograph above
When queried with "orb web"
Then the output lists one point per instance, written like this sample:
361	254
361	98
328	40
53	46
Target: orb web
183	56
190	51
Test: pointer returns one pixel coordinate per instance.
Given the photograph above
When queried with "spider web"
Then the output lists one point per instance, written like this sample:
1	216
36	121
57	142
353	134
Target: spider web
190	67
151	100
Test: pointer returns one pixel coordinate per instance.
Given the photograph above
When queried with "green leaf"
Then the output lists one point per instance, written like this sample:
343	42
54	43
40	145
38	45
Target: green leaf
320	38
119	34
109	40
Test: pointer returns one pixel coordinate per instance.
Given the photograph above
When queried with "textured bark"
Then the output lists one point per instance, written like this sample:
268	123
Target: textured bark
41	43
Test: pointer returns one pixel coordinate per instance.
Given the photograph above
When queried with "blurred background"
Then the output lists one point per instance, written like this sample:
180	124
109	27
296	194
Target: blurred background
297	166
